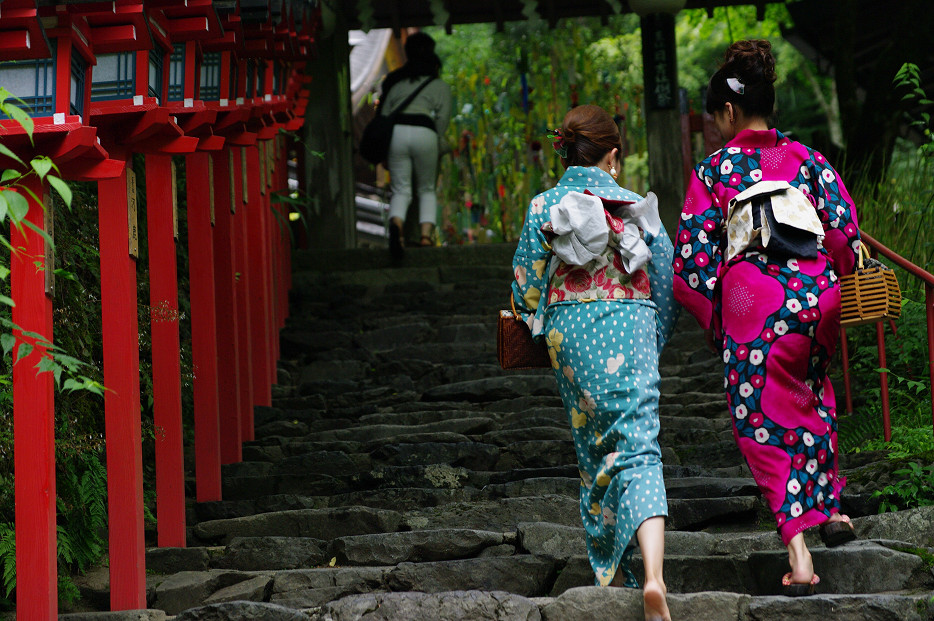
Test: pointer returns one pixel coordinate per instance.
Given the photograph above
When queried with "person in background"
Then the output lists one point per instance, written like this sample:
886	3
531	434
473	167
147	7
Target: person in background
773	315
593	278
417	138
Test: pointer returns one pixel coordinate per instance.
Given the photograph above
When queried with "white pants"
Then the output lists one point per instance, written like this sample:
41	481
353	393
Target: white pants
413	149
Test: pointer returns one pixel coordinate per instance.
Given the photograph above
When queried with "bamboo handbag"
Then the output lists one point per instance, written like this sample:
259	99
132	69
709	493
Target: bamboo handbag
515	347
869	294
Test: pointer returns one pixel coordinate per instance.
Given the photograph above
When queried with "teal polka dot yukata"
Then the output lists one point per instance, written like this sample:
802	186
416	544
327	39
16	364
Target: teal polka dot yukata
605	323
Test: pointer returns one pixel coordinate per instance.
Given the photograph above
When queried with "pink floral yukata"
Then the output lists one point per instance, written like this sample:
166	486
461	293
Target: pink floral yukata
778	319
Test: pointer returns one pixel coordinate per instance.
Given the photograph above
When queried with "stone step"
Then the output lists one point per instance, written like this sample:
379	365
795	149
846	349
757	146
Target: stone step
591	603
497	567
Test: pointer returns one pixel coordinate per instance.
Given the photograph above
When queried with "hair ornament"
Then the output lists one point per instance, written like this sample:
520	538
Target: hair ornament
558	142
736	86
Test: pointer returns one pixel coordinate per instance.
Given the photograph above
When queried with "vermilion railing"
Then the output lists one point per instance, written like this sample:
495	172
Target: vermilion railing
927	278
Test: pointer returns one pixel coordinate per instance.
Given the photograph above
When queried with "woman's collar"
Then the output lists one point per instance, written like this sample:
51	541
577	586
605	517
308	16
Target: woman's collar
757	138
591	176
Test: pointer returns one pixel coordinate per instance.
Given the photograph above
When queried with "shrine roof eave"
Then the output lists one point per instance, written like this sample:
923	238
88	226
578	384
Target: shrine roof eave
417	13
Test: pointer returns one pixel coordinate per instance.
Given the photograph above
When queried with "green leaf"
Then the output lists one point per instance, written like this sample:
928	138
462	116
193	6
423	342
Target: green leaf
42	166
8	301
9	174
22	351
7	341
18	205
61	187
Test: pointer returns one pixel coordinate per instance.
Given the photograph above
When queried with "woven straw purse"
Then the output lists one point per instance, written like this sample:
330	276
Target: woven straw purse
515	348
869	294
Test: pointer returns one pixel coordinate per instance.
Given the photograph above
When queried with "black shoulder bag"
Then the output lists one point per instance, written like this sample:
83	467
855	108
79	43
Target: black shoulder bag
374	143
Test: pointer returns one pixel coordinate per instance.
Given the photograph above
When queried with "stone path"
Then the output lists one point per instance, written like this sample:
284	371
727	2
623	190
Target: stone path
401	474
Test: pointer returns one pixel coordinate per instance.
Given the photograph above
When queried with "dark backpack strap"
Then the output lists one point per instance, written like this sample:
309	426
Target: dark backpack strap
410	98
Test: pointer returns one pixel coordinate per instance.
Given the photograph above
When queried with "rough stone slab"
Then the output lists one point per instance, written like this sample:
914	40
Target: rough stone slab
552	540
413	546
255	589
241	611
874	607
710	487
612	604
495	388
499	515
912	526
447	606
120	615
857	567
535	486
259	553
537	454
171	560
187	589
696	513
323	523
504	437
300	579
524	575
473	425
463	453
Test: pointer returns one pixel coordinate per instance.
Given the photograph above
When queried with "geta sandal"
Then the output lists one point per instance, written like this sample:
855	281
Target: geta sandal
798	589
837	533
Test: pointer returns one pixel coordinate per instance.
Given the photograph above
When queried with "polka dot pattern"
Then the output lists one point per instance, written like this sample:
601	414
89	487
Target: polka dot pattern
612	403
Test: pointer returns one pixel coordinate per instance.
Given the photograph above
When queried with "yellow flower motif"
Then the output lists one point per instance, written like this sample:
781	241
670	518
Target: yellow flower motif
605	576
568	372
597	439
554	339
539	267
603	479
553	354
578	419
595	509
531	297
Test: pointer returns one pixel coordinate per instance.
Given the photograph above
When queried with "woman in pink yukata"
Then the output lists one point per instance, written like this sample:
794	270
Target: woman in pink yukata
775	319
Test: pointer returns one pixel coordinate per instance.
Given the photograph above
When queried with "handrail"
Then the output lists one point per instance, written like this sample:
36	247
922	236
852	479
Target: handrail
927	278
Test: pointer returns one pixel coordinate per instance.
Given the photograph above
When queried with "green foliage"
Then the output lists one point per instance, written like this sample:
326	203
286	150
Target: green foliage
915	489
908	78
500	155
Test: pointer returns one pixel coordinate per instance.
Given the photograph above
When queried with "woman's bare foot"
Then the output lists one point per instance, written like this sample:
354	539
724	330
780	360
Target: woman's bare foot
799	559
654	602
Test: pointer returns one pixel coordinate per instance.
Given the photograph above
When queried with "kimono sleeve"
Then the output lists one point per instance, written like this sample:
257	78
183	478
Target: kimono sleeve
661	277
697	256
530	266
838	215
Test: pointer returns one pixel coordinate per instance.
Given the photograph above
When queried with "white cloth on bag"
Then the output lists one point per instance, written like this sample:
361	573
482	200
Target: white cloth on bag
413	149
579	222
580	225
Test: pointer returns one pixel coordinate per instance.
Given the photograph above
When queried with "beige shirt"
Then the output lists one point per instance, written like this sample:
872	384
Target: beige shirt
434	101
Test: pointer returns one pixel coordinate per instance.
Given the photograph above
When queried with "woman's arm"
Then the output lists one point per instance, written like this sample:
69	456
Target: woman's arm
530	263
661	278
697	256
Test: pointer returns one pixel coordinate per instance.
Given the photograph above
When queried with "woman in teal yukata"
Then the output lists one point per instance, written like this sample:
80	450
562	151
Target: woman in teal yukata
593	277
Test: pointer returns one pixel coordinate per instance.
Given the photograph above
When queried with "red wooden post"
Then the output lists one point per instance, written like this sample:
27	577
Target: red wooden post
121	401
244	301
259	327
203	328
33	428
166	370
228	348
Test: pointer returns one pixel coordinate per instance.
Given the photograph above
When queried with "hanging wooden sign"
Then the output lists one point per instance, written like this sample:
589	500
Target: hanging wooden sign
174	202
131	213
659	61
49	226
233	183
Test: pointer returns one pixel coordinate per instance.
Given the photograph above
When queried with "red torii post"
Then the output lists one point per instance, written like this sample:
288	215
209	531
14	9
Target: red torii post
219	93
187	24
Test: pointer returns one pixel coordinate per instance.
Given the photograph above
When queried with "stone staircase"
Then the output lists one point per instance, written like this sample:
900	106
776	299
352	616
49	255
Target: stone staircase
401	474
